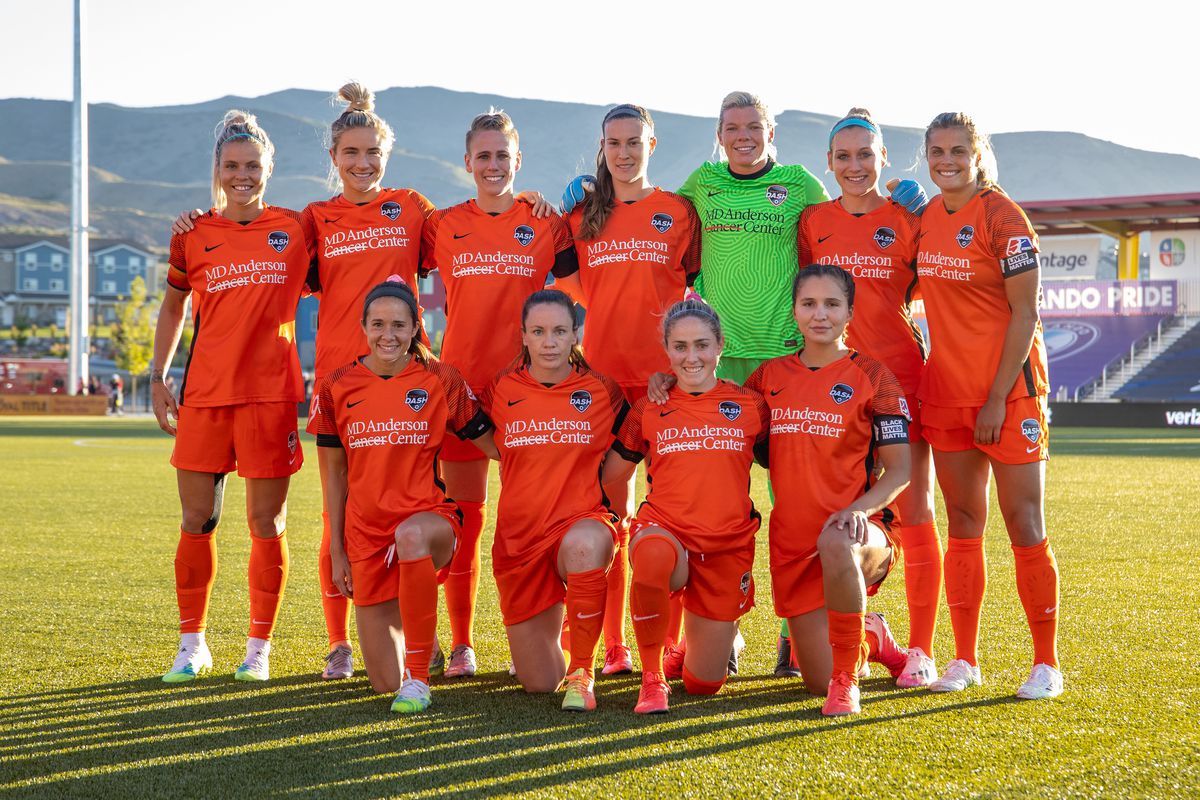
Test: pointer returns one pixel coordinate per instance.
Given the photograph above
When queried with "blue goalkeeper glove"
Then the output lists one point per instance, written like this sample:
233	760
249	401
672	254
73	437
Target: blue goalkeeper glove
911	195
576	191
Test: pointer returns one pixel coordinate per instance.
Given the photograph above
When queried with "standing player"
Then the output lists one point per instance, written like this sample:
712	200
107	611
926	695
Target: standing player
694	534
835	415
638	249
875	241
382	419
244	266
492	253
983	393
555	537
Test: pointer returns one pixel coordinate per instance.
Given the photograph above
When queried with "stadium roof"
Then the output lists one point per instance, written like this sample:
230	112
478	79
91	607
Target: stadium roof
1116	216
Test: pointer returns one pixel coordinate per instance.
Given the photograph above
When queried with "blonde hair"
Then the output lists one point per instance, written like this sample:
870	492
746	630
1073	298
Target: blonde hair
237	125
359	113
989	172
744	100
494	119
695	309
598	205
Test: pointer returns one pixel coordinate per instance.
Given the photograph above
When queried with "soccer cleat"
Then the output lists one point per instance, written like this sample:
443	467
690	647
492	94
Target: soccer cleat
919	670
890	654
784	667
462	662
842	698
437	661
580	695
739	644
618	660
257	666
652	699
864	671
338	664
190	663
1044	682
959	675
413	697
673	661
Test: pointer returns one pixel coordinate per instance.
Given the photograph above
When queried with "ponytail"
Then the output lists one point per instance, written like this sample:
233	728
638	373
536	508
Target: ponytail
237	125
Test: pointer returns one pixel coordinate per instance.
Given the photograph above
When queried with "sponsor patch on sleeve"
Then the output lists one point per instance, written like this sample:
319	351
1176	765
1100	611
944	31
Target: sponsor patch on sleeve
1022	261
1018	244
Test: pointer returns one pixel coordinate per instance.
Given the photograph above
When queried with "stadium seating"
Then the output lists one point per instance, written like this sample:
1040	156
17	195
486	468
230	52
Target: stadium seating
1172	377
1079	348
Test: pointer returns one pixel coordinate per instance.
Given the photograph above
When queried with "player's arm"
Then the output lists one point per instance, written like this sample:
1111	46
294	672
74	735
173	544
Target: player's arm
617	467
335	488
167	333
628	448
896	458
486	442
1021	289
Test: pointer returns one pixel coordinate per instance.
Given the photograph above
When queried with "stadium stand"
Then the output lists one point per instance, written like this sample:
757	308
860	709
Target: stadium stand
1173	376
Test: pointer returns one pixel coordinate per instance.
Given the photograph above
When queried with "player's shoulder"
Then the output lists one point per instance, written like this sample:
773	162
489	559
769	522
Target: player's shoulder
737	390
796	174
875	371
340	376
816	212
1001	210
606	383
283	213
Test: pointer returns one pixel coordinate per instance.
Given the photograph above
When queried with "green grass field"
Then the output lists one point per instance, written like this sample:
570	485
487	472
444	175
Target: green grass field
88	623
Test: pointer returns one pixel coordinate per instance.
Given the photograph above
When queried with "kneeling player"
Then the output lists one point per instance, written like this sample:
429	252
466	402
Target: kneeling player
393	530
694	534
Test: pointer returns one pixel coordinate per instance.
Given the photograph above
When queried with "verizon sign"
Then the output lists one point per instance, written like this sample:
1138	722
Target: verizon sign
1102	298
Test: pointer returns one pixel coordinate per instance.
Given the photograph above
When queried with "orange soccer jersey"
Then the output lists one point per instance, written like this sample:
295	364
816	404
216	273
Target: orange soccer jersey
359	246
699	449
879	249
490	264
245	282
552	440
825	427
391	429
964	259
639	265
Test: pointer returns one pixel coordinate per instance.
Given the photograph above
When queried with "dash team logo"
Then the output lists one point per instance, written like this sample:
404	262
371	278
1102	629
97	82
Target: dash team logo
745	583
278	240
416	399
777	194
841	393
884	237
1171	252
1031	429
292	441
390	209
662	222
730	410
581	400
964	237
523	234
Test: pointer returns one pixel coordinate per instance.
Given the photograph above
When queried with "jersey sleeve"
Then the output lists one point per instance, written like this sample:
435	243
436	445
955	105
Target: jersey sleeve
803	243
691	185
631	442
464	418
691	255
814	190
755	382
429	233
308	224
177	271
888	407
327	435
616	399
427	208
566	261
1010	235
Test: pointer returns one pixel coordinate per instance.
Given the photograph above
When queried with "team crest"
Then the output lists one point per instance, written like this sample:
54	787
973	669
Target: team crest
884	237
1018	244
964	236
523	234
662	222
745	583
278	240
390	209
292	442
1031	430
416	399
777	194
841	393
730	410
904	409
581	400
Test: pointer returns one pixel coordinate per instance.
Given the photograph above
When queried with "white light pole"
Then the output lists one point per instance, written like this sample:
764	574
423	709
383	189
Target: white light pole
78	322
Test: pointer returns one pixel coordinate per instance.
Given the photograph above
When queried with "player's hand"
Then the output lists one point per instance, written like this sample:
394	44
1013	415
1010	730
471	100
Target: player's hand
854	523
658	386
576	190
341	571
908	193
541	206
989	422
166	410
183	223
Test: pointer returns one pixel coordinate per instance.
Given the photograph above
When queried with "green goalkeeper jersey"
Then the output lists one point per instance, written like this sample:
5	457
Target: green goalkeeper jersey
748	251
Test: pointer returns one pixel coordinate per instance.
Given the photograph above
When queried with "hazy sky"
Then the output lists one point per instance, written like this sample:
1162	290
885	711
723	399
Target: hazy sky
1126	74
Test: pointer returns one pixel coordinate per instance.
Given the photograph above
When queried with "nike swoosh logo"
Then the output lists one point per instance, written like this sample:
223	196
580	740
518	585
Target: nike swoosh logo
667	413
512	403
329	221
823	238
636	618
461	235
589	616
182	621
714	194
1051	610
333	594
356	402
775	392
261	621
1033	449
214	247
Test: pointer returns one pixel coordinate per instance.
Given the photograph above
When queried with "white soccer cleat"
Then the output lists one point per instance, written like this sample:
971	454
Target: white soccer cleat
192	661
919	670
257	666
959	675
1044	682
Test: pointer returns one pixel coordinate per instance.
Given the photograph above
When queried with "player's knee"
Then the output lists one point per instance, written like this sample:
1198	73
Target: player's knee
540	684
410	541
834	546
382	685
586	549
265	526
966	518
695	685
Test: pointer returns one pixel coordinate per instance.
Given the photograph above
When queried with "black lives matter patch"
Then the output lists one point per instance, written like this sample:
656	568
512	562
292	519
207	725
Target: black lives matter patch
1019	256
523	234
390	209
662	222
891	430
278	240
729	410
581	400
416	399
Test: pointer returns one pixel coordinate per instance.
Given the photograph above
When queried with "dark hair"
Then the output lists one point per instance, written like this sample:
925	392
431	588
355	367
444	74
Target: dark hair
696	309
839	275
553	297
600	203
397	288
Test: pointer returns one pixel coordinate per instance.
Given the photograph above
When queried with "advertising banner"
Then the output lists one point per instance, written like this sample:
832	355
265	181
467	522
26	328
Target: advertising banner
1103	298
1069	257
1174	255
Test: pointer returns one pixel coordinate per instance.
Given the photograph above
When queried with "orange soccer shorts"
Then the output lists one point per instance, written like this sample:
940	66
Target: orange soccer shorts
798	584
456	449
1024	437
376	577
719	586
258	439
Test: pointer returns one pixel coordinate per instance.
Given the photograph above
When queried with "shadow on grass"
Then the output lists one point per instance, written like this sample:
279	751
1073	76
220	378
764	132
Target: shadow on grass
302	736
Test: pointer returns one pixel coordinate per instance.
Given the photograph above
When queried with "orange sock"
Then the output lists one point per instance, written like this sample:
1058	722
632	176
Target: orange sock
922	581
585	610
418	613
334	604
267	576
195	570
650	599
614	603
693	685
675	626
847	637
463	583
1037	586
966	582
564	636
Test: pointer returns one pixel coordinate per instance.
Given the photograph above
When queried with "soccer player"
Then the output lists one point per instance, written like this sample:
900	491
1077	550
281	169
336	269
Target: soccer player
244	267
835	415
492	253
983	393
555	537
875	241
638	250
382	420
694	534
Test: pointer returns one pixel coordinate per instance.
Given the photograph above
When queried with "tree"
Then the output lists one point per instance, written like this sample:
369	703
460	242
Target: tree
133	334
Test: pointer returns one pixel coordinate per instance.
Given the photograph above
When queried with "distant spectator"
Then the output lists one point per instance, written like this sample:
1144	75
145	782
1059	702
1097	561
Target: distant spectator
94	388
116	395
